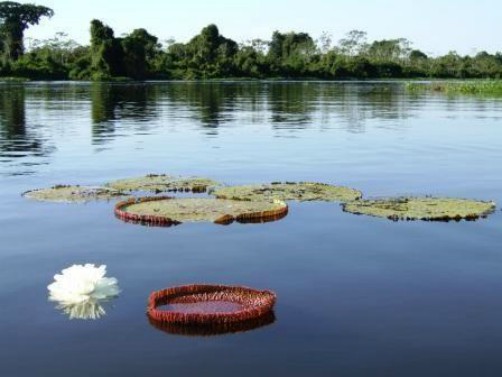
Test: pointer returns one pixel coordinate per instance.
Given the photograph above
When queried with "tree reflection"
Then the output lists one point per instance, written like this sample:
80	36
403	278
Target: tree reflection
214	103
16	141
292	104
119	104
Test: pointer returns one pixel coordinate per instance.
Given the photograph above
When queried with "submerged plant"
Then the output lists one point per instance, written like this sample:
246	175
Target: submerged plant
163	183
302	191
69	194
421	208
81	289
171	211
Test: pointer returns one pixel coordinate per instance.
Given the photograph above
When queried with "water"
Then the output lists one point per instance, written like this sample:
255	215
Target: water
356	295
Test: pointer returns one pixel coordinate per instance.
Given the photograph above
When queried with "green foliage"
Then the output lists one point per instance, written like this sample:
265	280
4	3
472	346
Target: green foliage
210	55
483	87
15	18
106	52
139	50
291	54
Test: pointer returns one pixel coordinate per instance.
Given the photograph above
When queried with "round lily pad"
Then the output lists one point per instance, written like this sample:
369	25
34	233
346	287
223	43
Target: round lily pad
205	304
302	191
68	194
171	211
426	208
163	183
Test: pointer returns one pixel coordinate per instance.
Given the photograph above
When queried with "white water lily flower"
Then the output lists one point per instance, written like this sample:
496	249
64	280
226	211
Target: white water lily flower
80	289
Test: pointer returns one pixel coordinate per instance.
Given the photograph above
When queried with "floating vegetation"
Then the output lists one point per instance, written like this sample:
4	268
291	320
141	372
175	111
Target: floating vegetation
426	208
80	291
479	87
166	211
157	183
302	191
195	305
214	329
68	194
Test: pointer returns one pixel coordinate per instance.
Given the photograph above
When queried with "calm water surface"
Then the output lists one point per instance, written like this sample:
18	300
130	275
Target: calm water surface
357	296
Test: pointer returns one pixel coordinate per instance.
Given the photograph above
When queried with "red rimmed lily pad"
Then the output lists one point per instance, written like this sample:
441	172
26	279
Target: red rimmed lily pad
166	211
203	304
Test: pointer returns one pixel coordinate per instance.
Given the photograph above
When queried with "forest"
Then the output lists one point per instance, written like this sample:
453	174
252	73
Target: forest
140	55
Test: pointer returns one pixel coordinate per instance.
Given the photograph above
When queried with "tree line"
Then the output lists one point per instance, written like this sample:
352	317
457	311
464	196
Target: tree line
139	55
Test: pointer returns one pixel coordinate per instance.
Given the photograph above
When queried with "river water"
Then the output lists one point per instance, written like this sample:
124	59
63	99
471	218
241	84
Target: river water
357	296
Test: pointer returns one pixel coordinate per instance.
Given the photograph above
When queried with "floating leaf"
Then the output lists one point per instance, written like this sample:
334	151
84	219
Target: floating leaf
162	183
169	211
68	194
302	191
203	304
426	208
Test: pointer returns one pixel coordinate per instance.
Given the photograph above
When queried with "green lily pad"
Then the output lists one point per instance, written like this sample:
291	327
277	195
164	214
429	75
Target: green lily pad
302	191
162	183
169	211
426	208
69	194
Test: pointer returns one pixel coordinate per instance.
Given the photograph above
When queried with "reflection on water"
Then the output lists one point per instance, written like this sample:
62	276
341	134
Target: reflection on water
29	113
119	109
284	105
355	293
17	140
112	104
214	329
89	309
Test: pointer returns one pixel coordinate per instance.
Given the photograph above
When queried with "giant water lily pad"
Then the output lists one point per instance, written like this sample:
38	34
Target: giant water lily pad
162	183
68	194
168	211
425	208
303	191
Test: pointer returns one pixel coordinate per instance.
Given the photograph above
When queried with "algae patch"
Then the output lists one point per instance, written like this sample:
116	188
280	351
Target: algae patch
426	208
169	211
302	191
69	194
162	183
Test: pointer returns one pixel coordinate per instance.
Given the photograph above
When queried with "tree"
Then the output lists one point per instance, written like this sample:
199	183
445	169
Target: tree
106	52
290	54
325	41
353	43
386	50
210	54
416	55
15	18
140	48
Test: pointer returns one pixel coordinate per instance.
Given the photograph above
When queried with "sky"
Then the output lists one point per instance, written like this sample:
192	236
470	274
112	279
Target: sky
435	27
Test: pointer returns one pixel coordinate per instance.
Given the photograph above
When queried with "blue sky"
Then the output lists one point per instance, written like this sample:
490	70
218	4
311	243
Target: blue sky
433	26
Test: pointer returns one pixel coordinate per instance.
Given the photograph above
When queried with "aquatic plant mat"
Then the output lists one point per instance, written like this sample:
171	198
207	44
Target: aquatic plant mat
163	183
213	329
171	211
473	87
302	191
209	304
427	208
68	194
